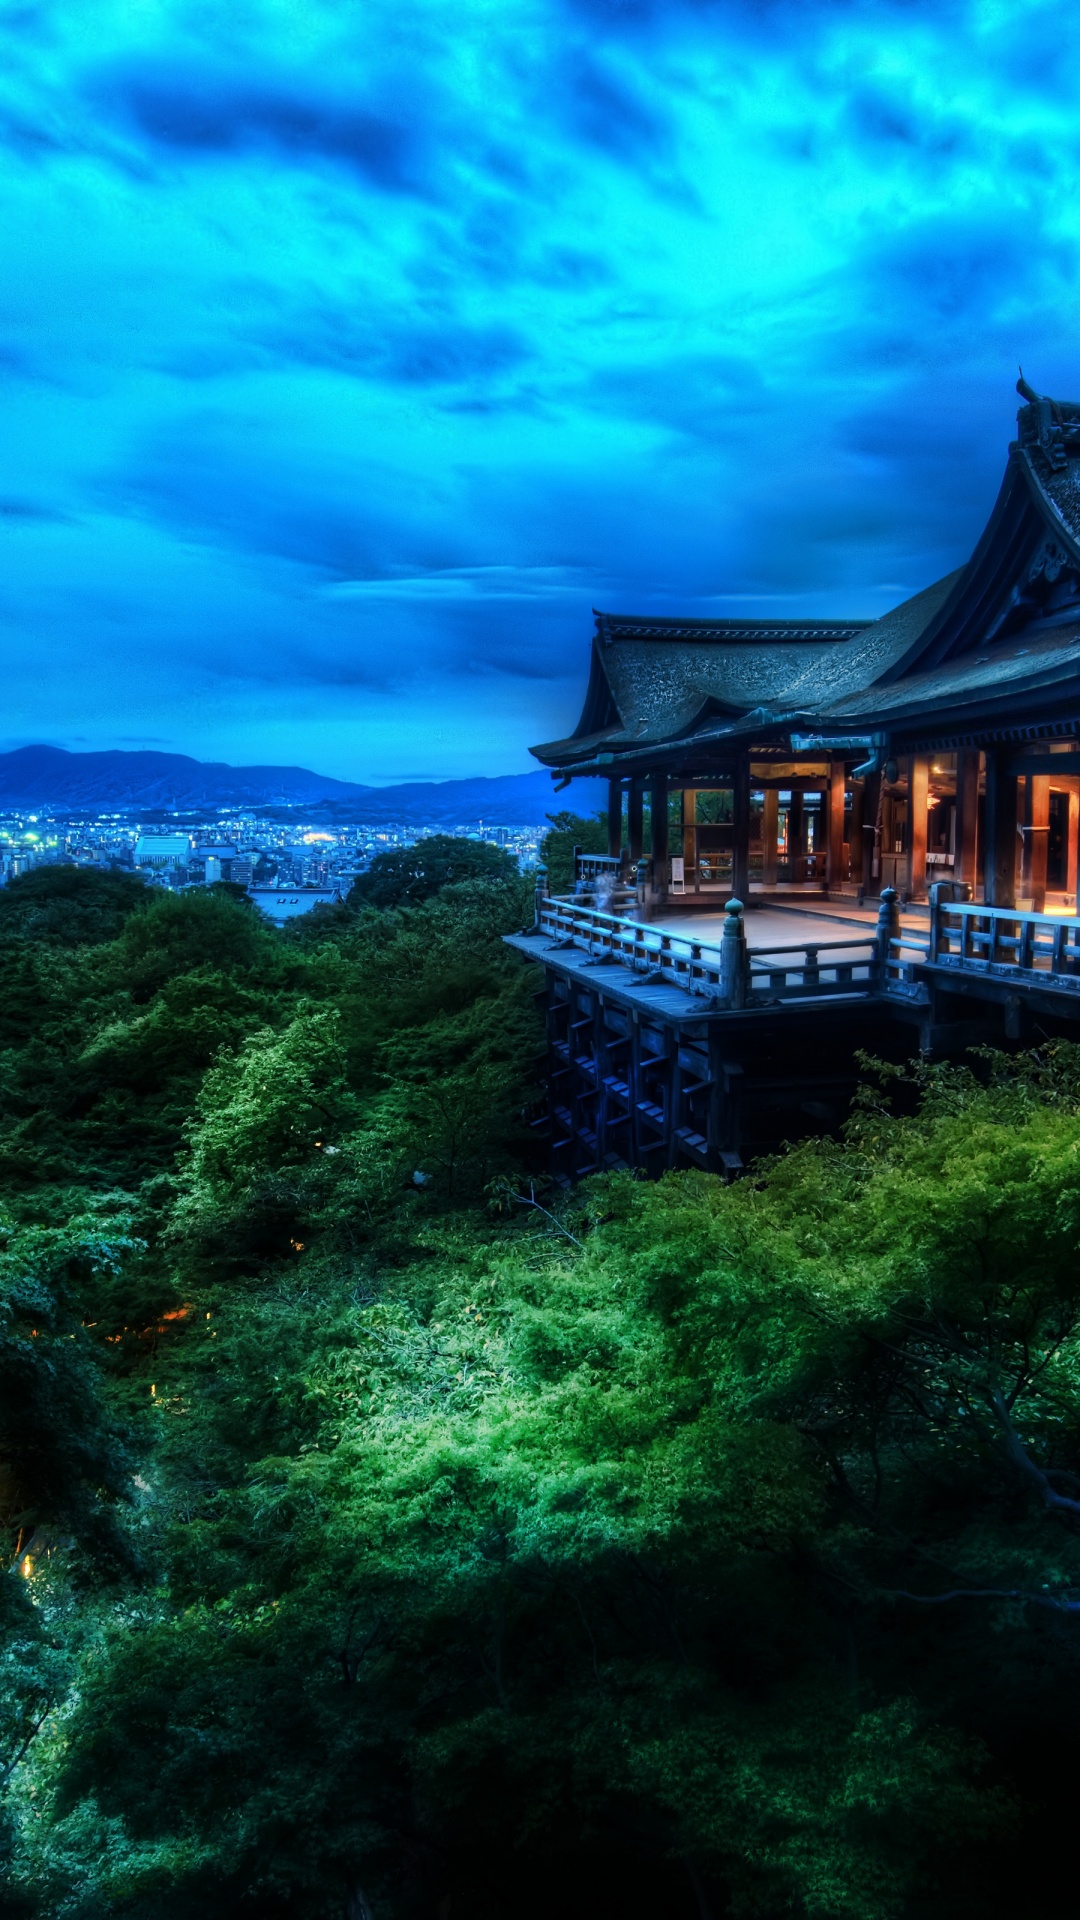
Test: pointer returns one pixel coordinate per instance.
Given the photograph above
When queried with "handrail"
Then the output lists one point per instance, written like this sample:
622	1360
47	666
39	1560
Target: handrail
1009	942
726	973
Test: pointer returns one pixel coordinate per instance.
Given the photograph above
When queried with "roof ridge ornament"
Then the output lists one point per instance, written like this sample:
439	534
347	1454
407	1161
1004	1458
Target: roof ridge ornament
1048	427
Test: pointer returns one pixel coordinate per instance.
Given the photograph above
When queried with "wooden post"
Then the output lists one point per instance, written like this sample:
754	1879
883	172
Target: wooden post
689	837
796	835
918	796
873	831
834	833
888	930
999	860
658	820
967	816
740	827
734	956
614	818
856	868
1039	812
1073	844
770	822
635	817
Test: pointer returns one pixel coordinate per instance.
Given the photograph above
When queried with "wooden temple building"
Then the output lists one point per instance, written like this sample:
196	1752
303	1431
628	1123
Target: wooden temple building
931	755
940	741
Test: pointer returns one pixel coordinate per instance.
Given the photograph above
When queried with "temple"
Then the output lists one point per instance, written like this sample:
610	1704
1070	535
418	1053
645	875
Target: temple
803	782
940	741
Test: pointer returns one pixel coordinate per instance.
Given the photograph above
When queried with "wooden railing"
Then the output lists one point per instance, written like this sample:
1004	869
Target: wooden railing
727	972
1000	942
590	866
1003	941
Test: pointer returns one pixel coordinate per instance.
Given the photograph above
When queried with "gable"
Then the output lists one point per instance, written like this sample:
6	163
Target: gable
1023	577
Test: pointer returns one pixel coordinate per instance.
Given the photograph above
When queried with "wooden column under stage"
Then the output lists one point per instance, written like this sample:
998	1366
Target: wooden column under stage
999	857
918	796
658	822
614	818
635	817
770	823
689	838
834	828
740	828
967	816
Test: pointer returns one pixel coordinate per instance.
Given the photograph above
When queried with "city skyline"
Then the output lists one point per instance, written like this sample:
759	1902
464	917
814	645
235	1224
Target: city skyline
350	360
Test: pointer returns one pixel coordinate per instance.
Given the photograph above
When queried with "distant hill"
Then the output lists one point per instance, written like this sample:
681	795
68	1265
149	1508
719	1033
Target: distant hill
49	777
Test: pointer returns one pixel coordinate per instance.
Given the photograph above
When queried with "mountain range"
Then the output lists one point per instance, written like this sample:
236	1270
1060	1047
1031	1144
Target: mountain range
50	778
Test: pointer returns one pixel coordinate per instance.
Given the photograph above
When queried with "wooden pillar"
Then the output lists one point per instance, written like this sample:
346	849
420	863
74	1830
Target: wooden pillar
1038	809
635	816
770	823
873	831
856	867
740	828
658	821
834	824
967	816
999	860
918	795
1072	845
796	836
689	838
614	818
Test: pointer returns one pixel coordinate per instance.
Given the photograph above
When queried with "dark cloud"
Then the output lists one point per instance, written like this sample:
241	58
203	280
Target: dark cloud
208	113
599	106
398	347
13	509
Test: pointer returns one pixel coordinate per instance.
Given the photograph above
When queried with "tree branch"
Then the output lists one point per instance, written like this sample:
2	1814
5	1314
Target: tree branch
1020	1457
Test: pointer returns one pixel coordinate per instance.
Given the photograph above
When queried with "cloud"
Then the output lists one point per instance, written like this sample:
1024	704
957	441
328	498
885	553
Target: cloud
208	113
349	357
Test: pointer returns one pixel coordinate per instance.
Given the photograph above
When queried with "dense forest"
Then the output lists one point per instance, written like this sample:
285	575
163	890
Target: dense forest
390	1536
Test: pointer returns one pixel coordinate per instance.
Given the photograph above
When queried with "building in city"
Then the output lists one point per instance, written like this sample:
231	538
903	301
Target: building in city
941	741
162	850
282	904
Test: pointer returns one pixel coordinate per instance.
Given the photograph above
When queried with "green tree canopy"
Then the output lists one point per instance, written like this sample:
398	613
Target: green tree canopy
404	876
409	1538
70	906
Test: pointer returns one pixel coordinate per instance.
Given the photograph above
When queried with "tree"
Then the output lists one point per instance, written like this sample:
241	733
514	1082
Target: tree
567	831
404	876
70	906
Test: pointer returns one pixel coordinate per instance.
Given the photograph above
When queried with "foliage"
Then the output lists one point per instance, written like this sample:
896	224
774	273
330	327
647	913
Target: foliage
569	830
405	876
406	1538
69	906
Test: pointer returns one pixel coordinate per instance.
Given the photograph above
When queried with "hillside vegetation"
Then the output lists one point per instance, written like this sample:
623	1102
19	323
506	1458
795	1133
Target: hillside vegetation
389	1537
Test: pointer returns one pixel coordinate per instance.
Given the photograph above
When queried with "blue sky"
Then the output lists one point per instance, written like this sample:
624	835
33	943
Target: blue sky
351	353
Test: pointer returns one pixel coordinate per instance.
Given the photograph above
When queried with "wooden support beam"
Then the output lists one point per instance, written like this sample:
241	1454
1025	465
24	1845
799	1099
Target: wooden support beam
796	837
614	818
635	816
999	859
689	837
834	825
967	816
770	822
855	833
740	828
918	795
658	820
1038	810
1072	845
